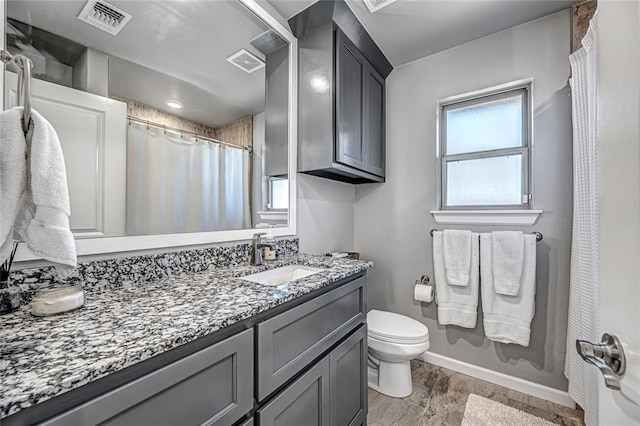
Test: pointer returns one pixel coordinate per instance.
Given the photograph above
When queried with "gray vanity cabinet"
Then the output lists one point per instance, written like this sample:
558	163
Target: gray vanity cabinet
360	116
212	387
296	365
289	342
332	393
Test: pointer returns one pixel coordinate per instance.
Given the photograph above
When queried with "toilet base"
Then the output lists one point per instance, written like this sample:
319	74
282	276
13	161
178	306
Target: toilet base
391	378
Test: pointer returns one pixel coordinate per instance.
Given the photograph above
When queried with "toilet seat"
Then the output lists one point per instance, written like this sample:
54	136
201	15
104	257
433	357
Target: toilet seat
395	328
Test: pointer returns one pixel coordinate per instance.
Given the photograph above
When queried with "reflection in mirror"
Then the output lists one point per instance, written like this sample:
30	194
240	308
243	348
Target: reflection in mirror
173	116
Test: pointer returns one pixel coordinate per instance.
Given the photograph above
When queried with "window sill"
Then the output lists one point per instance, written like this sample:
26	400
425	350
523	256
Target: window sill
274	215
486	217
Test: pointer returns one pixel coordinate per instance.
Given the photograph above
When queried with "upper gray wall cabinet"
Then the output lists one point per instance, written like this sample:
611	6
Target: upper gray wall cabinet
360	141
341	96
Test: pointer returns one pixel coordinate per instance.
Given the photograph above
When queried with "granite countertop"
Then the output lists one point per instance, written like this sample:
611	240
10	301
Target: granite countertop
41	358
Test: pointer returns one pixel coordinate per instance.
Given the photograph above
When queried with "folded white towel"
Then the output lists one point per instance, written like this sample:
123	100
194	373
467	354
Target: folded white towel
13	175
457	256
43	216
457	305
508	256
507	319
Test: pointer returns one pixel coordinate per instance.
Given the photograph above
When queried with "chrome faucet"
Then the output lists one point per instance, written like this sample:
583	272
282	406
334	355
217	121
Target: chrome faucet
257	245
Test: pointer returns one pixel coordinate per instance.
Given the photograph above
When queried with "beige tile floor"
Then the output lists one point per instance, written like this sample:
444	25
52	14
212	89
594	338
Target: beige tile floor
440	395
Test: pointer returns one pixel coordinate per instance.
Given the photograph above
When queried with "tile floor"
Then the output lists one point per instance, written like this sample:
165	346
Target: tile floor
440	395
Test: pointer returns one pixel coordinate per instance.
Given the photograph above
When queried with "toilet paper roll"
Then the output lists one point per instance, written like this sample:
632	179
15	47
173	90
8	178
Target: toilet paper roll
423	293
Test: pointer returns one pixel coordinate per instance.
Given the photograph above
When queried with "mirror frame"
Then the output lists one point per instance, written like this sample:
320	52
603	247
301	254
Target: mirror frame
95	246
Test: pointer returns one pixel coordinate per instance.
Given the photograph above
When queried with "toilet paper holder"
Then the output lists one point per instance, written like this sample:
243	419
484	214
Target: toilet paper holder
423	280
423	291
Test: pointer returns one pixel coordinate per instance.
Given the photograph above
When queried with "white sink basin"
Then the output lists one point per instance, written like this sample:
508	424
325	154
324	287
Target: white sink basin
282	275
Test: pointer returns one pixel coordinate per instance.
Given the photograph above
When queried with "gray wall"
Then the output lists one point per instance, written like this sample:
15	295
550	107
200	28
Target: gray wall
325	215
392	220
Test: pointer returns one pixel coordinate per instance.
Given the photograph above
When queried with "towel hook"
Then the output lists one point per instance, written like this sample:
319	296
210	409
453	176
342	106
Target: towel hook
24	84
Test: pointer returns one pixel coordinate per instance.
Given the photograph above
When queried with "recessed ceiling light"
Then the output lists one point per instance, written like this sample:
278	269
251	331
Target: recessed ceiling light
174	104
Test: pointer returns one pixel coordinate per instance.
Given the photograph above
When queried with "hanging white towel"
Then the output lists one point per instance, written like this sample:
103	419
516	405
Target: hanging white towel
457	305
43	216
457	256
508	257
507	319
13	175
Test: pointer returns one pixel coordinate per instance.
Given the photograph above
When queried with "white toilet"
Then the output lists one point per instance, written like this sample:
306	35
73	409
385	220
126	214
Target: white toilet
394	340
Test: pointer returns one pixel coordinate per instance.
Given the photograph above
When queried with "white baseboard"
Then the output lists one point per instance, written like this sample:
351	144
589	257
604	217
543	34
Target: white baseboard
515	383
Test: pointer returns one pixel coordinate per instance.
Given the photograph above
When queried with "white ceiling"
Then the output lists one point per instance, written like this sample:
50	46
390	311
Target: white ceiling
411	29
186	43
169	50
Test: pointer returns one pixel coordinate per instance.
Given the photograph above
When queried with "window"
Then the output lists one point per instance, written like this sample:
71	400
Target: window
484	149
278	193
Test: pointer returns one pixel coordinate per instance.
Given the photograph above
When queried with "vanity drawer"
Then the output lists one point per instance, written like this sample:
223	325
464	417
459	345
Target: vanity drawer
212	387
292	340
304	402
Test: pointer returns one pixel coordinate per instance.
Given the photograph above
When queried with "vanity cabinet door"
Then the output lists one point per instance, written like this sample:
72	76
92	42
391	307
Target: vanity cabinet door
213	386
348	380
289	342
304	402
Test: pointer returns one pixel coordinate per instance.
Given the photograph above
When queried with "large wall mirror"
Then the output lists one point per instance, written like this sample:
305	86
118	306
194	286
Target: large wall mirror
176	118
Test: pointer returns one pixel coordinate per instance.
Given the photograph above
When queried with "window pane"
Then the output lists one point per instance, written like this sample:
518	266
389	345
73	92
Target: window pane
488	125
485	181
280	194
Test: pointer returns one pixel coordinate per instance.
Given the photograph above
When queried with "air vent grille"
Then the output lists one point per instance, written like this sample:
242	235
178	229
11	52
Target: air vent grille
375	5
246	61
104	16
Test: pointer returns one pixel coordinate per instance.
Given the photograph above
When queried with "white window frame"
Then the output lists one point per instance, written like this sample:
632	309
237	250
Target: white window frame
271	179
478	97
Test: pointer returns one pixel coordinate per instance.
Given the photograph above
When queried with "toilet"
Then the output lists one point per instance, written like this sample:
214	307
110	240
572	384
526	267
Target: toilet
394	340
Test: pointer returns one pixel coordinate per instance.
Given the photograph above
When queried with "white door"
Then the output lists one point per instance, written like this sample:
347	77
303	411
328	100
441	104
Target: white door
619	145
93	135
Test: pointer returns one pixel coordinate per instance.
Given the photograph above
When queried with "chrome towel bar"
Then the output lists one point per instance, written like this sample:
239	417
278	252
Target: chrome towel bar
536	233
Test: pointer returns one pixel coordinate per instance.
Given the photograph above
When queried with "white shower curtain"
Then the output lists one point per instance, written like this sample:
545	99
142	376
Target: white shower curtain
183	184
583	297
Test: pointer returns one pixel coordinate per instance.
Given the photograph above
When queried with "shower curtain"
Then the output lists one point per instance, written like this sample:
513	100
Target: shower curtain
583	296
184	184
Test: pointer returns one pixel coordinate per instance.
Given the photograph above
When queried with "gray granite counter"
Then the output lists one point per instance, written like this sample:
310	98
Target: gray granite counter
41	358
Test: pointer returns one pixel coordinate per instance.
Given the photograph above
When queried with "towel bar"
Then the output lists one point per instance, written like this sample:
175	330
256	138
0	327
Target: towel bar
536	233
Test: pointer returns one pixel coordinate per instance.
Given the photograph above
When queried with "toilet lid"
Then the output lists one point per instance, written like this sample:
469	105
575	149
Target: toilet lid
397	328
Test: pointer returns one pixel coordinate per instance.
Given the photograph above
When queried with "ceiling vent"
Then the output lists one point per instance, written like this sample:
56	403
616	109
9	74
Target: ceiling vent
104	16
246	61
375	5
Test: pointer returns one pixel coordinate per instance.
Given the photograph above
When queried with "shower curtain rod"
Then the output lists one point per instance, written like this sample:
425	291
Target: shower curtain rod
131	118
536	233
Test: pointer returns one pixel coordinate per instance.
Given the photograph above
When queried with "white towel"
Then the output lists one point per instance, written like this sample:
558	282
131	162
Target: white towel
457	305
43	216
457	256
507	319
508	257
13	175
